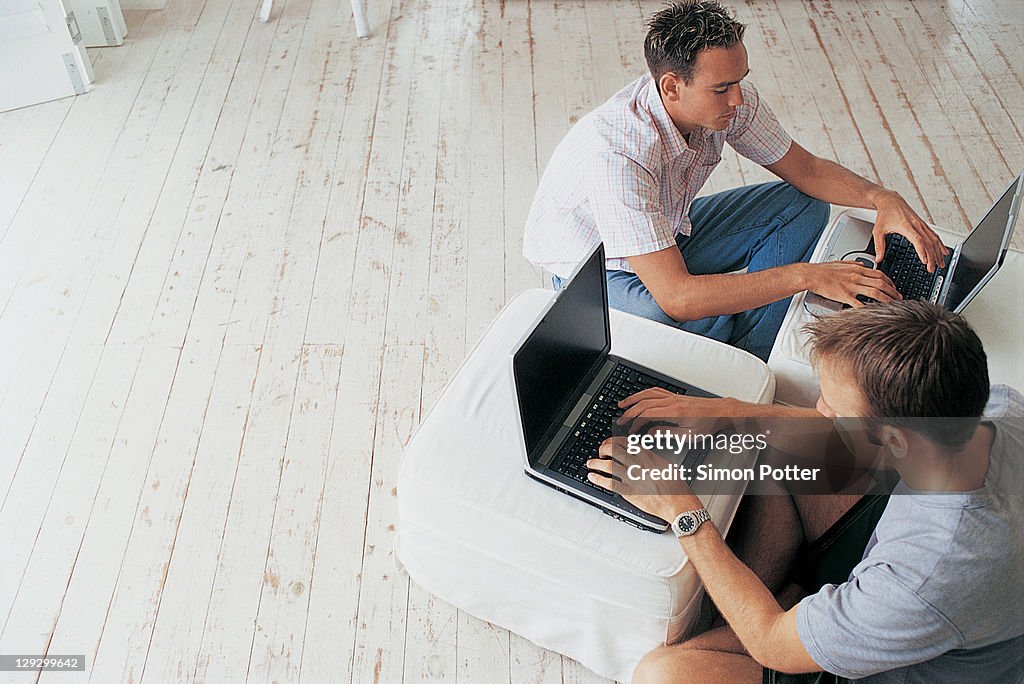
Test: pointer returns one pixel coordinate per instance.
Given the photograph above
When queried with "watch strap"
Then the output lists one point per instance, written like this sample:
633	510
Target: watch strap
687	522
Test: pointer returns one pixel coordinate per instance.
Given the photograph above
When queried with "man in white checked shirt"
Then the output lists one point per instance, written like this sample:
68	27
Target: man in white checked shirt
628	174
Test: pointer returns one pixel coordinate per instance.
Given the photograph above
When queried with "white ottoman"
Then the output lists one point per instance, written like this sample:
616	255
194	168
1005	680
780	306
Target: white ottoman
477	532
996	314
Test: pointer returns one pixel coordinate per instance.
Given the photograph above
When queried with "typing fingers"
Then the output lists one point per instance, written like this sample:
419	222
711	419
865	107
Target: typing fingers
649	393
879	284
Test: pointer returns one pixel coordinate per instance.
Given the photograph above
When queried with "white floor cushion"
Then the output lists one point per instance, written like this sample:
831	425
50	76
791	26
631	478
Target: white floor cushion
477	532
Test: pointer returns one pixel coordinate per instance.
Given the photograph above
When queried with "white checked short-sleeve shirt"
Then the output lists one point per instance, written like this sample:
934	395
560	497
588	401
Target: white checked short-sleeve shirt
625	175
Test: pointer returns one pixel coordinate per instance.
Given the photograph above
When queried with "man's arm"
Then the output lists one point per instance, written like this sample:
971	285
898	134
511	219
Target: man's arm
792	431
686	297
828	181
768	632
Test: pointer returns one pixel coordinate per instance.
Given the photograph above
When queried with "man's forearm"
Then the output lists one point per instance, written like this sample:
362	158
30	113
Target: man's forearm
743	600
719	294
836	184
793	430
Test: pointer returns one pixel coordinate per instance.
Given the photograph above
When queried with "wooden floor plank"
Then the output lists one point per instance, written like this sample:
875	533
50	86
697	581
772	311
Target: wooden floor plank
947	99
169	236
334	278
485	254
277	647
338	576
185	599
383	593
97	565
519	146
40	461
133	605
162	290
431	255
987	101
26	137
230	624
550	103
30	596
167	167
795	35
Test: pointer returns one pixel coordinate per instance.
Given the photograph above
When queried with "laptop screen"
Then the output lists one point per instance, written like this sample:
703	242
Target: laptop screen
982	250
570	339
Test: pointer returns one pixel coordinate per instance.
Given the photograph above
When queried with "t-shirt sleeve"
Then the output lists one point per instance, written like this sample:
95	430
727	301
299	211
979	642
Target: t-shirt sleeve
871	624
755	132
625	202
1004	402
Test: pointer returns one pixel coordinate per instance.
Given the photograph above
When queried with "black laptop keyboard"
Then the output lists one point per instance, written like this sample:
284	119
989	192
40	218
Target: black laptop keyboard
596	422
905	269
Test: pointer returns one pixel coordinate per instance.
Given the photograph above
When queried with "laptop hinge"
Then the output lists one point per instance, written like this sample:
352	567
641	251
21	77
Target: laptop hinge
947	280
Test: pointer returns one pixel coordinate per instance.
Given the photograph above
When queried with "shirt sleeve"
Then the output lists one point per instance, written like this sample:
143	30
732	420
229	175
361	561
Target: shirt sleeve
755	132
625	202
871	624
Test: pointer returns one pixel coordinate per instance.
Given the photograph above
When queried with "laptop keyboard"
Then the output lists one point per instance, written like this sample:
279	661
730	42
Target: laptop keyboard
595	423
905	269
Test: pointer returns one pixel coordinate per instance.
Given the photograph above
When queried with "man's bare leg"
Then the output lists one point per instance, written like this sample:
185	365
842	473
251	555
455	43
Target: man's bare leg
721	638
672	664
767	535
772	528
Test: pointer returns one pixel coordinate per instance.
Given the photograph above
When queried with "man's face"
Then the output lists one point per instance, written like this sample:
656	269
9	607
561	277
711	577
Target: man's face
840	396
842	401
712	96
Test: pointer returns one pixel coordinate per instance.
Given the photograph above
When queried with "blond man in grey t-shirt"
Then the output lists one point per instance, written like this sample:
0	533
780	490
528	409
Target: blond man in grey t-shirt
936	595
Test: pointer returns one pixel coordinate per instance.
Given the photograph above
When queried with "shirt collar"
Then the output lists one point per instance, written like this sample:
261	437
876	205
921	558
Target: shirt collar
673	141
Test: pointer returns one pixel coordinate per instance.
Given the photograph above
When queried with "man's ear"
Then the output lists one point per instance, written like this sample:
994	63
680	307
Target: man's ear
894	441
670	84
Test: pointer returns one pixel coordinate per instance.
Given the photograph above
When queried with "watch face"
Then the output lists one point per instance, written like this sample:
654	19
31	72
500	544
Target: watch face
686	523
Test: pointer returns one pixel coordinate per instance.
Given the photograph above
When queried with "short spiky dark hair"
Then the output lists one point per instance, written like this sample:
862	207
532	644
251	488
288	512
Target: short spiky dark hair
915	362
678	33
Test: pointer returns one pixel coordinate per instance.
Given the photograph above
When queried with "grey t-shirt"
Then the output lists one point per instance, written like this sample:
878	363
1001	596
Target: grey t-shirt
939	594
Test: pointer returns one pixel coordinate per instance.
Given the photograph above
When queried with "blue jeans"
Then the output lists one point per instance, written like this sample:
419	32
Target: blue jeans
756	227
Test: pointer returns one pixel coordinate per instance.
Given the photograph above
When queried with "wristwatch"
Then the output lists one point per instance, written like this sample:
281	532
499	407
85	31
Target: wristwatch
687	522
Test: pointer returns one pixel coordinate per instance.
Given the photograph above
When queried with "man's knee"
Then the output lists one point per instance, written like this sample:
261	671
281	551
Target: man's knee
659	666
682	665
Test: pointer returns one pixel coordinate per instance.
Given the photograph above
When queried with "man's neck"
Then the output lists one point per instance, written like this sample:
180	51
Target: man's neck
684	128
932	469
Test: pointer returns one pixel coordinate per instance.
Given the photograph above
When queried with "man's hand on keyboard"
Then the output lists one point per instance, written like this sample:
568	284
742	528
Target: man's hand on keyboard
663	498
658	407
844	281
896	216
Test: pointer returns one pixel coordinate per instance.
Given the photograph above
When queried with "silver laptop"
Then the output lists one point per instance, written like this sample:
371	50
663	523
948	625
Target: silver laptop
969	266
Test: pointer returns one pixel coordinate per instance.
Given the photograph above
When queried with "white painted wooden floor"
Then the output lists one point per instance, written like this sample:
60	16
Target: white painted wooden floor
235	275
